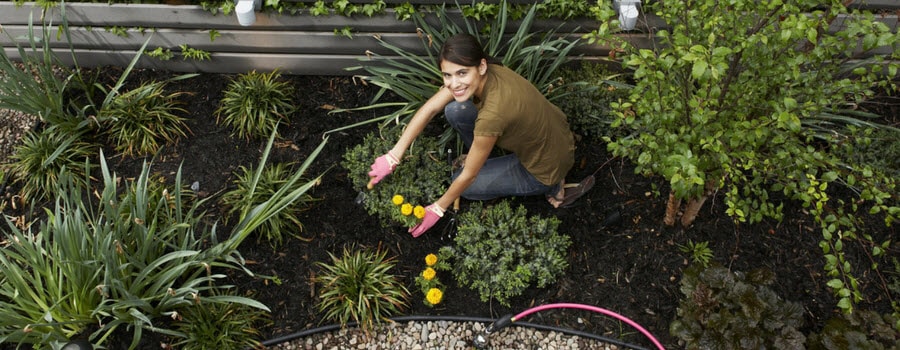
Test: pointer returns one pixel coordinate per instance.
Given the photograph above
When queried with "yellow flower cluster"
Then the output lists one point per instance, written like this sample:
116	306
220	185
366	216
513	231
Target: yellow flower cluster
408	209
428	274
434	296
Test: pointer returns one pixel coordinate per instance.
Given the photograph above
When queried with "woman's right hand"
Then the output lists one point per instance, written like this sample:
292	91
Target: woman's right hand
382	167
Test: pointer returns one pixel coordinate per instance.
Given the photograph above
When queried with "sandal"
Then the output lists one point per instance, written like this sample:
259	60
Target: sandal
575	191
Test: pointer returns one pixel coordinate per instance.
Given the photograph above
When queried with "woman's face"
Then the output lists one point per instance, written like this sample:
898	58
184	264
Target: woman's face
463	81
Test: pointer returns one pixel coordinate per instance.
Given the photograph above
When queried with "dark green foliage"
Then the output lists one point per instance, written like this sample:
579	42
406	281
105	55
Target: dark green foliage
734	310
588	109
421	178
860	330
500	252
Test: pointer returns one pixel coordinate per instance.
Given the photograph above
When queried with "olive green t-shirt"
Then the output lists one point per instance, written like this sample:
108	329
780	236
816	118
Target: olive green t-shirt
525	123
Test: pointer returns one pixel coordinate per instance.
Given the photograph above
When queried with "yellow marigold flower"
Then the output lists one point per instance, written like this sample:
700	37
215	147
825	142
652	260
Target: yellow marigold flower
434	296
397	199
406	209
430	259
419	211
428	274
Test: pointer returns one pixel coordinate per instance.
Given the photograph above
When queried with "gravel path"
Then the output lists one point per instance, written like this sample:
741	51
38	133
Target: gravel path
421	335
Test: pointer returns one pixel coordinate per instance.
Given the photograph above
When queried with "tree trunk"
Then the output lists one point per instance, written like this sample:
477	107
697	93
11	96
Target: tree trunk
672	209
693	206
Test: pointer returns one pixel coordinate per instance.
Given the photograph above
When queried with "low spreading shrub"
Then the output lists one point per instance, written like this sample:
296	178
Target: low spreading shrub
500	252
722	309
419	180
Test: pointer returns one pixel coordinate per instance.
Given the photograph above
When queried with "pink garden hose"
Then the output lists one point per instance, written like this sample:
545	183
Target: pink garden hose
481	340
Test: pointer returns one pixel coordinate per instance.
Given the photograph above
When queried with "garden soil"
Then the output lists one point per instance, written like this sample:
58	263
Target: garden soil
622	257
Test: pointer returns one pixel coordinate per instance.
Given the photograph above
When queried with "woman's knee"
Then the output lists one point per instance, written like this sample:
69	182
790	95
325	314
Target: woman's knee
460	112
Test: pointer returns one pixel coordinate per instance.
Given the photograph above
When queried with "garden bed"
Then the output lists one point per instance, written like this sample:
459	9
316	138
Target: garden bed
632	265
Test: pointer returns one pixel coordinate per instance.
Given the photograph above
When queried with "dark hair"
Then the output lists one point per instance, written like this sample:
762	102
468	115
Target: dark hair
465	50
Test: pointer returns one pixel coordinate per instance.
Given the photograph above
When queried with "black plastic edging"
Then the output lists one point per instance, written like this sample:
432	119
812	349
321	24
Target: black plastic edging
572	332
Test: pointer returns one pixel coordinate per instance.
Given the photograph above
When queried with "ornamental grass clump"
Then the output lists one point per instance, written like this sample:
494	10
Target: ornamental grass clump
358	287
254	103
251	190
499	252
399	199
140	121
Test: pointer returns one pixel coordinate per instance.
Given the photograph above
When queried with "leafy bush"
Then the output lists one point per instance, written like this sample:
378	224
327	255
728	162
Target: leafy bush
415	79
38	162
251	191
499	252
254	103
733	310
140	121
420	179
358	287
225	326
703	117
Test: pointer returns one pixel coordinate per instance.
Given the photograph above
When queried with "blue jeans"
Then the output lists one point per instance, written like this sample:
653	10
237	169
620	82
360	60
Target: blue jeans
500	176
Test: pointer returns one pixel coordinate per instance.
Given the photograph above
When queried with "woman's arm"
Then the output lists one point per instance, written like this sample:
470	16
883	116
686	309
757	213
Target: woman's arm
423	116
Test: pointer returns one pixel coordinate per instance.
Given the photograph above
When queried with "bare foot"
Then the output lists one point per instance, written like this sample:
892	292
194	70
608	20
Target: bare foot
557	200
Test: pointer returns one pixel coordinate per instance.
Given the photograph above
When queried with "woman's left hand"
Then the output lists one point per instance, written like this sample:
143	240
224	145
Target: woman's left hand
433	213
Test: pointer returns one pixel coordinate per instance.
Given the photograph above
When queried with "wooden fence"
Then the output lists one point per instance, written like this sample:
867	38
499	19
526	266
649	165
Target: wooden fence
103	34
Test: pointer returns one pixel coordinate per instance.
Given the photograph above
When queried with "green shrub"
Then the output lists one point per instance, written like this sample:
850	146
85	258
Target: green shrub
220	326
420	179
733	310
588	109
359	287
254	103
39	160
270	181
499	252
140	121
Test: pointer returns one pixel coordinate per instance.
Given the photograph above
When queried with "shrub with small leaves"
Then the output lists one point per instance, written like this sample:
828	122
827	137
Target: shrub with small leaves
500	252
588	109
734	310
420	179
255	103
359	287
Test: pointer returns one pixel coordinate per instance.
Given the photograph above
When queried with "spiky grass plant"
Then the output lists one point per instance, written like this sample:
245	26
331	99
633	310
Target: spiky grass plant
39	160
255	103
272	178
140	121
221	326
358	287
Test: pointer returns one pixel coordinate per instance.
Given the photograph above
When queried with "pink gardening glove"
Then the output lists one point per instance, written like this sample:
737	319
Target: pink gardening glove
382	167
433	213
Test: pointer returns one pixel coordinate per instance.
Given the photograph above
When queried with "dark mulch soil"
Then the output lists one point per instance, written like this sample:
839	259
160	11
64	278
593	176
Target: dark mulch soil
632	267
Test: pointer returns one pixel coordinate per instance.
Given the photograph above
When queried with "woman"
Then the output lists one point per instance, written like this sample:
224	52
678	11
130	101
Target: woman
491	105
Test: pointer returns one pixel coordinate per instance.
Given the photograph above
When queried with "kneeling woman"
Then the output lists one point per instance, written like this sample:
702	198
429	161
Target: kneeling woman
491	105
